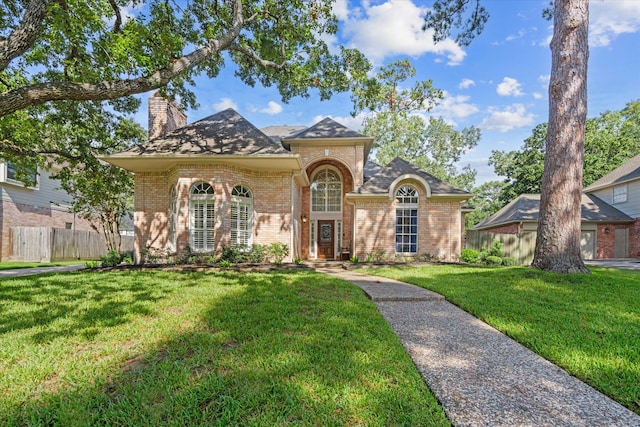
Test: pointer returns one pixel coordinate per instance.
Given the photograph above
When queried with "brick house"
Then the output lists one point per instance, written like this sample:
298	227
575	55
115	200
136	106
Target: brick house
221	181
42	205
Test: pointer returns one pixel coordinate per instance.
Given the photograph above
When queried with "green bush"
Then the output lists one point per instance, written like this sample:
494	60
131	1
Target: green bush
493	260
298	261
225	263
470	255
508	261
378	255
354	260
277	252
111	259
496	249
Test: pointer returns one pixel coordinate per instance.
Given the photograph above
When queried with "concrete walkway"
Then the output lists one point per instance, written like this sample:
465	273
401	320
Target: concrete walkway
38	270
482	377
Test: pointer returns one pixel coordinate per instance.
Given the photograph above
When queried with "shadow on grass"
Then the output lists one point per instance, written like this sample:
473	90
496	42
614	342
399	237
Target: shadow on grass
587	324
290	348
77	304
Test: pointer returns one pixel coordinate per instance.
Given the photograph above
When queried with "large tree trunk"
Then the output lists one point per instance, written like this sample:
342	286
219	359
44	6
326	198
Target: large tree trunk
558	239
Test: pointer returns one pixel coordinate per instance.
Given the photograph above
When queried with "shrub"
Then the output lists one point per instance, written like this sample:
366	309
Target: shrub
377	255
493	260
298	261
111	259
225	263
354	260
257	254
277	252
91	264
470	255
496	249
508	261
127	258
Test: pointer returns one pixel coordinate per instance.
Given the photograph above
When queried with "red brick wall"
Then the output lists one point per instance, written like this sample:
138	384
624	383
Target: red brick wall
506	229
23	215
439	226
605	240
272	205
634	239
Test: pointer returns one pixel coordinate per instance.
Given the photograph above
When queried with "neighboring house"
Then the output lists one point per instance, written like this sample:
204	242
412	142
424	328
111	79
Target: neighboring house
600	229
621	188
221	181
43	205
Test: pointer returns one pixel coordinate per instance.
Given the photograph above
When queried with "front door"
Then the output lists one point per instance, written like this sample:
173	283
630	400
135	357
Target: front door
621	243
325	239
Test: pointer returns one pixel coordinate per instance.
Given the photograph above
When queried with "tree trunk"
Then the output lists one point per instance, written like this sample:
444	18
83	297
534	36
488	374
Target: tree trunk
558	238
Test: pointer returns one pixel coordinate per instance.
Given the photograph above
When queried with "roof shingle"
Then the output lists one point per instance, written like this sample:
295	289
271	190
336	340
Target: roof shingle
224	133
526	207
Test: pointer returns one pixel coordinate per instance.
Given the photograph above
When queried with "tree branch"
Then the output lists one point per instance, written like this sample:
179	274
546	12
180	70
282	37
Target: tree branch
23	37
40	93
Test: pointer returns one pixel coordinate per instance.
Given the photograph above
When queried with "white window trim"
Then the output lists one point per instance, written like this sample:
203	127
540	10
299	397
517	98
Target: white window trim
208	201
407	206
315	175
238	202
173	217
313	238
622	194
4	178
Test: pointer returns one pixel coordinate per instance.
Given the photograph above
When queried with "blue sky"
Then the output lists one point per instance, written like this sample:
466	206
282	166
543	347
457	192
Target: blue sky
498	83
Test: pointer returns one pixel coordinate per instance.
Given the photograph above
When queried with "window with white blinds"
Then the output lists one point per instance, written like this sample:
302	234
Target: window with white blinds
201	218
241	216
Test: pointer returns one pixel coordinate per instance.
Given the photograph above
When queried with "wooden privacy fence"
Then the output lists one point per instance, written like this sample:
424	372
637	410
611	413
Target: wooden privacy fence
517	246
47	244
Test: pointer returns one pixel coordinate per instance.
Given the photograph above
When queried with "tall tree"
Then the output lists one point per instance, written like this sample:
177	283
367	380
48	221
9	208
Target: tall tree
432	145
558	237
91	50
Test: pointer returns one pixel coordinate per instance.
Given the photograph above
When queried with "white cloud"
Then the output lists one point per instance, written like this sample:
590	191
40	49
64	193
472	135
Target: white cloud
224	104
509	87
512	117
537	95
454	107
395	28
466	83
272	109
608	19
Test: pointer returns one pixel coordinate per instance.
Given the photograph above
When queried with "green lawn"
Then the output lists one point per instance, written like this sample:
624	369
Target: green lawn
168	348
587	324
11	265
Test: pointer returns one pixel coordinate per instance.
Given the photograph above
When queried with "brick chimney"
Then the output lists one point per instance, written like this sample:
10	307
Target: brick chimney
164	116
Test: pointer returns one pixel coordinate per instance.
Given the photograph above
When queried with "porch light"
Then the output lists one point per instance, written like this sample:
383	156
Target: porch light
303	217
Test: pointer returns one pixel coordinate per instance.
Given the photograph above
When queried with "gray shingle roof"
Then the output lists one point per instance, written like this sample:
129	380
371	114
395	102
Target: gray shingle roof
382	180
370	169
525	208
326	128
628	171
224	133
278	132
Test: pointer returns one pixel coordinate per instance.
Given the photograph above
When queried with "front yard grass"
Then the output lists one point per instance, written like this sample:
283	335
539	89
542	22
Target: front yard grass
195	348
587	324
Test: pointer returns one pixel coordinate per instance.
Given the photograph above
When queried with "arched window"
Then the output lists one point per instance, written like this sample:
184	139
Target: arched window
241	216
201	217
326	192
407	220
173	216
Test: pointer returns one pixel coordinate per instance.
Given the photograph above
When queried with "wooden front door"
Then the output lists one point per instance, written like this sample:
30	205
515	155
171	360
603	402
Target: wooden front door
325	239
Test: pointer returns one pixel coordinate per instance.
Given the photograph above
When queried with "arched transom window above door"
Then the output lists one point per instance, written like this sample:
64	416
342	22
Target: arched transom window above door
326	191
